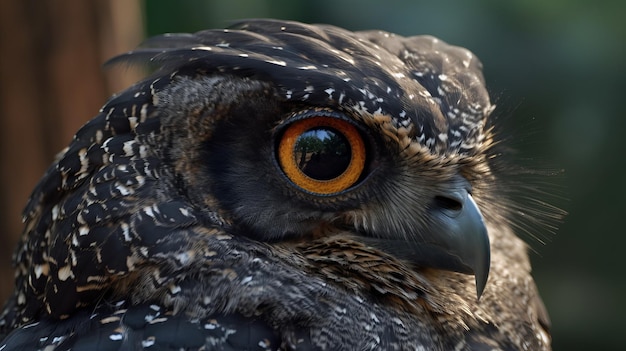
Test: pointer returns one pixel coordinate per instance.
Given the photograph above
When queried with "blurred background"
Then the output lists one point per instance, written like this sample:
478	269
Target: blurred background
556	70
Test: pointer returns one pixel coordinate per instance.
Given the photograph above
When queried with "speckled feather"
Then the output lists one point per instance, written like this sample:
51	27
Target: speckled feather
418	80
166	223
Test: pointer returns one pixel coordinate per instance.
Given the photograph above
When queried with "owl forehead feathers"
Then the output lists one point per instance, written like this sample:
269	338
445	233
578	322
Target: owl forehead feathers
424	85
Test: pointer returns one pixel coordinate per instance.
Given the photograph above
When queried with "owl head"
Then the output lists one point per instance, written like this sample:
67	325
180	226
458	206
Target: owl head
278	132
291	130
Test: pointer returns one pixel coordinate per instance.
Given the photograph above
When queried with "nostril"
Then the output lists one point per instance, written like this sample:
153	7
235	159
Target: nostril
448	203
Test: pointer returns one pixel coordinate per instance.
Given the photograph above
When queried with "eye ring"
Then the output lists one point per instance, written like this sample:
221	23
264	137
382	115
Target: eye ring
347	167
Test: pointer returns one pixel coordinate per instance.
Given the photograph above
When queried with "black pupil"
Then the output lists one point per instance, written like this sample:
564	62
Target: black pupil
322	153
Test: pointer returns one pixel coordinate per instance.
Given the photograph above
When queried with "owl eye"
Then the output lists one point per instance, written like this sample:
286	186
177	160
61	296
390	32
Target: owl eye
322	155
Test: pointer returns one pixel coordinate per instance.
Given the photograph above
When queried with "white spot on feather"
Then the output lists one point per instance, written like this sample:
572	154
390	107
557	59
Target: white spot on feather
203	48
150	341
278	63
65	272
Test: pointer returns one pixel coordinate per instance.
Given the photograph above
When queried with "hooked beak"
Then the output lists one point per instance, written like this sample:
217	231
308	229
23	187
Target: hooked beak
466	243
455	239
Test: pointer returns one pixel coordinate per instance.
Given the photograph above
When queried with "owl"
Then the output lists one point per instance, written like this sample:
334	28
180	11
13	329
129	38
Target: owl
279	186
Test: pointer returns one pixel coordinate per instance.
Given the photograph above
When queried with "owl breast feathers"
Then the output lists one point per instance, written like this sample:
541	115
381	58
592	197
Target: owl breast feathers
278	185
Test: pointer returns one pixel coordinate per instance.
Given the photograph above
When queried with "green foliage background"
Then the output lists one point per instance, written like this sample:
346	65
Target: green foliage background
556	70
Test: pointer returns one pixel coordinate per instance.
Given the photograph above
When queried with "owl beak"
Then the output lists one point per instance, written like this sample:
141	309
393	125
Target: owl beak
459	241
469	241
454	239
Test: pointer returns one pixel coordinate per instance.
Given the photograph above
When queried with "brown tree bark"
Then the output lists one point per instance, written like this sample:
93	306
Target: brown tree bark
52	82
